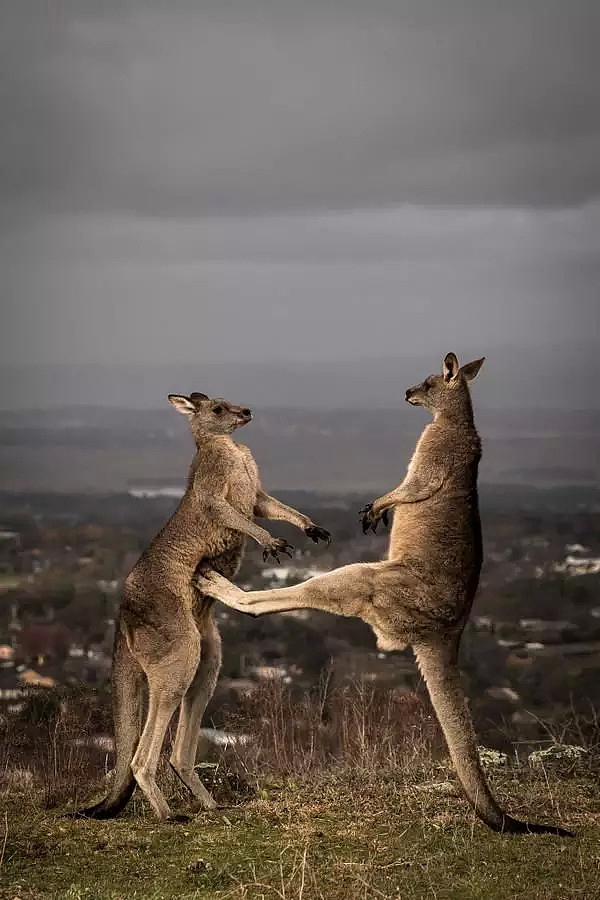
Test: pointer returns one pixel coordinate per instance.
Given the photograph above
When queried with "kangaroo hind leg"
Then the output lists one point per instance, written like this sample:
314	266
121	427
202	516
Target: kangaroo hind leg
347	591
437	660
167	683
381	594
193	705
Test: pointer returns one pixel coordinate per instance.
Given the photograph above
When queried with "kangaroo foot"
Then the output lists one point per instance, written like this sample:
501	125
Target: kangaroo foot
214	585
203	799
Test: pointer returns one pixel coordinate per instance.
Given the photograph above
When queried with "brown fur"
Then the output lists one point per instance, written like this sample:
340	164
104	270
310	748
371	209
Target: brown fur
166	631
422	594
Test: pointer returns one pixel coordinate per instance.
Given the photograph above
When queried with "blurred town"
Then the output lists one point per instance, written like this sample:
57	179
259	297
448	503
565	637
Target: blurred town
531	653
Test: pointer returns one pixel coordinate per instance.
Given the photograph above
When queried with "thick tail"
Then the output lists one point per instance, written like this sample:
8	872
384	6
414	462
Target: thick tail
127	677
439	667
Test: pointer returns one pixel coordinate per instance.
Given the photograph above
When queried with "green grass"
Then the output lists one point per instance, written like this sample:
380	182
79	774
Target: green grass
336	836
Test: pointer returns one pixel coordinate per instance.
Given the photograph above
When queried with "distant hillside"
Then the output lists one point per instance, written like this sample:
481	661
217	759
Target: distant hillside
98	449
544	377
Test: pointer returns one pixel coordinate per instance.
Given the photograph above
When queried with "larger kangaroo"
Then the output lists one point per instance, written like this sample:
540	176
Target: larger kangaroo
422	594
165	629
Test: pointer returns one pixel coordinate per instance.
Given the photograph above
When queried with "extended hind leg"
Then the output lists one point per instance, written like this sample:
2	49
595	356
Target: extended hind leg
346	591
167	683
381	594
193	705
388	596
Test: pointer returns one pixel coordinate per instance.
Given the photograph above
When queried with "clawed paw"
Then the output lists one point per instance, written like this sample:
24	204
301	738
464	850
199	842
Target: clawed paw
370	520
277	546
316	534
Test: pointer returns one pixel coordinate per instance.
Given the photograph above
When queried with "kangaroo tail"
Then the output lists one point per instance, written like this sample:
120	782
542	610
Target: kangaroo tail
438	665
127	677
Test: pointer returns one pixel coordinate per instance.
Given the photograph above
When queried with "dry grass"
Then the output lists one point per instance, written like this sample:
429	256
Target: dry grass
55	749
353	727
345	793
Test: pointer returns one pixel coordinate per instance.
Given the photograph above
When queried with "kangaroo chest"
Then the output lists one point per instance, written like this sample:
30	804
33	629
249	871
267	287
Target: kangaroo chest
243	482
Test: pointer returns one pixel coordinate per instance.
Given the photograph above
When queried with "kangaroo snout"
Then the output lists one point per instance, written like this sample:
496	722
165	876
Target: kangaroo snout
247	413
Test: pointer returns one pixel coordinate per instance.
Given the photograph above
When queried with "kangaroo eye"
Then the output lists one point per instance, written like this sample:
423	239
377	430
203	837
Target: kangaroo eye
218	410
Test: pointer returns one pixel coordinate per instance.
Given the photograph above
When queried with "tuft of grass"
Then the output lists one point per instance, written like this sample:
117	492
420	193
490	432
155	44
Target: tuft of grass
352	726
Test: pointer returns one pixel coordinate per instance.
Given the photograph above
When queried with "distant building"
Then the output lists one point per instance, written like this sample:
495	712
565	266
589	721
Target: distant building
579	565
45	641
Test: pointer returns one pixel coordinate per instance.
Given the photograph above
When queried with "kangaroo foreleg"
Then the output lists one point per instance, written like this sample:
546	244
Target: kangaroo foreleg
268	507
229	517
412	490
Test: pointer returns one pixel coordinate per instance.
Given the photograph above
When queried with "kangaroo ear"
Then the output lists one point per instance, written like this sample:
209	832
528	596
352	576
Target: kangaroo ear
182	404
470	370
196	395
450	366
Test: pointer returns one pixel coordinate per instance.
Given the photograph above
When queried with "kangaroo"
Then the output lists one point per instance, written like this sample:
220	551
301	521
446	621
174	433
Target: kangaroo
421	595
165	630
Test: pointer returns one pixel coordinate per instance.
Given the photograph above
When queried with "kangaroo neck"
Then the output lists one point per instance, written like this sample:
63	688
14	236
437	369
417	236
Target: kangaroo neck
461	418
206	439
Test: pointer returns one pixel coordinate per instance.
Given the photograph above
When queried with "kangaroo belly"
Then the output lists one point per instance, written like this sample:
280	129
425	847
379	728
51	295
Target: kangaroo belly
442	538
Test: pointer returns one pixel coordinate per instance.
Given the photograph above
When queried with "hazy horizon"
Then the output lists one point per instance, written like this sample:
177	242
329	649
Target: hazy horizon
543	379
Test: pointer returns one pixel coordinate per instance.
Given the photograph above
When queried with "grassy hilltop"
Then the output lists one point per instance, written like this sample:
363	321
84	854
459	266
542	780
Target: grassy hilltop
360	804
338	837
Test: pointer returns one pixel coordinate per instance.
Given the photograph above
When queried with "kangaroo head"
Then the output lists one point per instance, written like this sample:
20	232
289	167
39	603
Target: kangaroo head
206	416
448	392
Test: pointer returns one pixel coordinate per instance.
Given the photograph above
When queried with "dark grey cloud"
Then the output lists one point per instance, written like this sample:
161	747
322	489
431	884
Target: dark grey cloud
344	285
181	108
298	181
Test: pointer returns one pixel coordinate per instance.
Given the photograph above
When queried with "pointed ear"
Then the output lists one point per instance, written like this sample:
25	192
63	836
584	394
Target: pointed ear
450	366
196	395
182	404
470	370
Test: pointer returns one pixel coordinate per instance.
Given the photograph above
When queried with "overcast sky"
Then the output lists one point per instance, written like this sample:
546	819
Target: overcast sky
294	180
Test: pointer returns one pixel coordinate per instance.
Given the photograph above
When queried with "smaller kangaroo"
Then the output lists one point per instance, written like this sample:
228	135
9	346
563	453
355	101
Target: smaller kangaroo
422	594
165	630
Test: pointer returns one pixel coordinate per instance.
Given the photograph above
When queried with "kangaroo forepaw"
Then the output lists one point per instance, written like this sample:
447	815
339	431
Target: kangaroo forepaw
277	546
370	519
316	534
